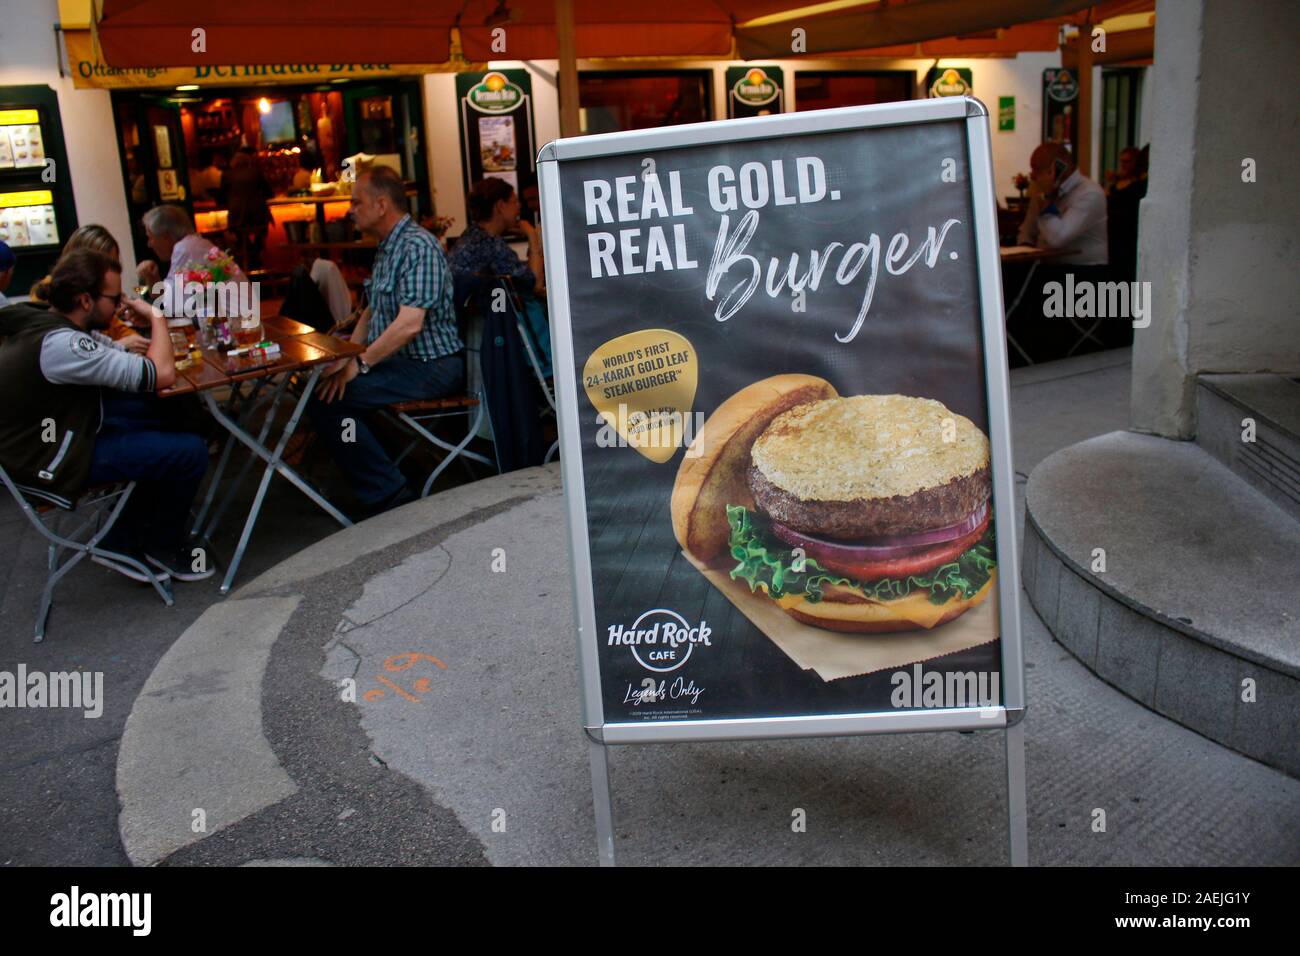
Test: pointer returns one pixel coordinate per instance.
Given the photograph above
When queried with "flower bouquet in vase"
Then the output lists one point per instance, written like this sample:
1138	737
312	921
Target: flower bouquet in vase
227	311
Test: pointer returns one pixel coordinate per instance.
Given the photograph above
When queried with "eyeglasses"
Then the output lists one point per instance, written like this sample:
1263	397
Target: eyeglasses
117	299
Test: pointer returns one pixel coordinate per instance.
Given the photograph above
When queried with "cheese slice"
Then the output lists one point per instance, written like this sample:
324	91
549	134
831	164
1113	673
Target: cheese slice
916	607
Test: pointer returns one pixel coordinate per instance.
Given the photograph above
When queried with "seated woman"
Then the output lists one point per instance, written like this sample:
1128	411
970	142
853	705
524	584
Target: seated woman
97	239
481	253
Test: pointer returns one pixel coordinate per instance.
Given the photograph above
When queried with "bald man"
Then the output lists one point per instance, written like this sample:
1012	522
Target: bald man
1066	209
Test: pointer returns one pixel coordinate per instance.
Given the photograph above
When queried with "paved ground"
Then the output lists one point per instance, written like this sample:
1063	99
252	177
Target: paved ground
462	745
58	804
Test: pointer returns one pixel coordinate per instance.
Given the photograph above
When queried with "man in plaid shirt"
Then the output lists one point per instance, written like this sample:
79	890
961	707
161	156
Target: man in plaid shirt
412	351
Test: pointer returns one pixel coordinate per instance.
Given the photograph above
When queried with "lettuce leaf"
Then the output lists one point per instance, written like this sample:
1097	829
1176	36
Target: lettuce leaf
765	561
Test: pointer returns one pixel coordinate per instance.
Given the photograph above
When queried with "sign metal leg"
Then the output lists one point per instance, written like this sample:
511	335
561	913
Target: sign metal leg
1017	832
602	801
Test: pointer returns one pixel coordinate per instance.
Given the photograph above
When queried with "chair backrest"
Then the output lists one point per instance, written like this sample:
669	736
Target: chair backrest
304	301
333	288
31	505
532	347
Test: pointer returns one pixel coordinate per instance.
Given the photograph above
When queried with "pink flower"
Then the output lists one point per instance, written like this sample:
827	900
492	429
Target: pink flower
214	254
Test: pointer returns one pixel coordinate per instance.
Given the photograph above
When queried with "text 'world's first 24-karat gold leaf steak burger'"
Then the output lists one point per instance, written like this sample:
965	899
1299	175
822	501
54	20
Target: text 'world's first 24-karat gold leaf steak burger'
864	514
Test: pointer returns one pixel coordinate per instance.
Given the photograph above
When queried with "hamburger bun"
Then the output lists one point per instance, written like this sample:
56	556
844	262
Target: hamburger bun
848	612
713	472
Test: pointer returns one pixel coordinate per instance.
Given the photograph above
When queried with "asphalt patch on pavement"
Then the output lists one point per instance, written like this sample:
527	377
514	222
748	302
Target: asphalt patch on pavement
350	809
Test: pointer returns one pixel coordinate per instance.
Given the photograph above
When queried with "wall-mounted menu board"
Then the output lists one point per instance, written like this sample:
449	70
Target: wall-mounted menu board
22	144
37	205
27	219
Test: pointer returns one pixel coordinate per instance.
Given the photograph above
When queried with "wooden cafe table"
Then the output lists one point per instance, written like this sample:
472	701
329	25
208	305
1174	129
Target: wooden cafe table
303	351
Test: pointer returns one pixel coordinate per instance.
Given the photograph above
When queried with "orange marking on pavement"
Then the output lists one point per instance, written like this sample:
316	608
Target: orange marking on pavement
423	684
389	664
385	680
373	694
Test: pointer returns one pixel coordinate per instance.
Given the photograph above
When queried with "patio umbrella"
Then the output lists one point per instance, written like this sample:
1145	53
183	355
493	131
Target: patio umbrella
602	28
896	27
160	33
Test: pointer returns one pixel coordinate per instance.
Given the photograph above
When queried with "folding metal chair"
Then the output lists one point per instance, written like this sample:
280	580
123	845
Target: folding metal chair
1085	335
414	416
97	510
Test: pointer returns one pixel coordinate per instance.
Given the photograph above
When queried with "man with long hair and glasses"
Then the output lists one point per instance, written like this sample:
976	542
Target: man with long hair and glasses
56	371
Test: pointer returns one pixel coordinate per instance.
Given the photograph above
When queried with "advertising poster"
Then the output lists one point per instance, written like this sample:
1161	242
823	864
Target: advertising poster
1060	104
784	425
1006	114
496	129
755	90
162	144
497	148
168	185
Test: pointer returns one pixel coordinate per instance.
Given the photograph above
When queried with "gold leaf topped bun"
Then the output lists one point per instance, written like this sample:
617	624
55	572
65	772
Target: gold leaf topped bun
868	446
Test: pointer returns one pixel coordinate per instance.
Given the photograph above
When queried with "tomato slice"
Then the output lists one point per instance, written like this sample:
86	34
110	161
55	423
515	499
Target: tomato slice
917	562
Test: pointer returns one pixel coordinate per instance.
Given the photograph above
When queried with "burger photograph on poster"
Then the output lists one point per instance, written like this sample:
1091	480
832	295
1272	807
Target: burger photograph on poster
785	451
866	514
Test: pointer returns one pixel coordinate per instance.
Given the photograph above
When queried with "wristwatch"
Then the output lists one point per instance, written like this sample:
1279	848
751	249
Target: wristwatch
362	367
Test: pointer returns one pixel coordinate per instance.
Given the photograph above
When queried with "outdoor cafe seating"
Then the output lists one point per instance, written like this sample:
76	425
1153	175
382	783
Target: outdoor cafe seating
78	527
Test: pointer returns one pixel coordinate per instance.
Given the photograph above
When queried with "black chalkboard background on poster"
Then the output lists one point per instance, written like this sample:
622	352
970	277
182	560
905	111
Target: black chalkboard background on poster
920	336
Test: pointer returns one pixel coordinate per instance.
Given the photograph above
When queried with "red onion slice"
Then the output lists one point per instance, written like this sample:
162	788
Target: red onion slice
880	548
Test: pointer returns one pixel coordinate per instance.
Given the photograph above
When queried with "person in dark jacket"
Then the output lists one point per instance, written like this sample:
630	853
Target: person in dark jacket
55	438
1125	190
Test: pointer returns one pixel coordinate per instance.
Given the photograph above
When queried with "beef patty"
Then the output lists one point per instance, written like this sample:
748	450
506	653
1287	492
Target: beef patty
922	510
870	465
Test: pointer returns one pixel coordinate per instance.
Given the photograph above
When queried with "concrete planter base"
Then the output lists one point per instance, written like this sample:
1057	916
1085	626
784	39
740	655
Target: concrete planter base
1196	610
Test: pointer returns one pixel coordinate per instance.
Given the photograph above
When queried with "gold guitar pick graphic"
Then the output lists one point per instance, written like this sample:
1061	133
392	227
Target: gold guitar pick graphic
643	384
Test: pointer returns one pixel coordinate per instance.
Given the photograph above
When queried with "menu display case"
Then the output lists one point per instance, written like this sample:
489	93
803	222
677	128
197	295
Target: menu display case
27	219
22	145
37	211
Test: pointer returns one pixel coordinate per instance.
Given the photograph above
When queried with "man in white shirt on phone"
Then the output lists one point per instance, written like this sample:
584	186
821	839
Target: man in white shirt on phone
1066	211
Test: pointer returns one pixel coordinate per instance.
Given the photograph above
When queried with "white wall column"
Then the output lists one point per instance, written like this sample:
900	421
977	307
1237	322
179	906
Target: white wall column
1219	251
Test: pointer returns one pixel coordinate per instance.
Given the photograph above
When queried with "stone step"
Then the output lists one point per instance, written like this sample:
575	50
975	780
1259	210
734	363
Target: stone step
1270	463
1197	594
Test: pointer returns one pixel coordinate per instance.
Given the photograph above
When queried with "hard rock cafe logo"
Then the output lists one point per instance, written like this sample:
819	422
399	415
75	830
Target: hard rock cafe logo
755	88
950	83
660	640
495	94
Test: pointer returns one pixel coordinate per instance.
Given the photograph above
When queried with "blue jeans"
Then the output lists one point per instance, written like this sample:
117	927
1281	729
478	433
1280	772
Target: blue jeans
135	444
374	477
